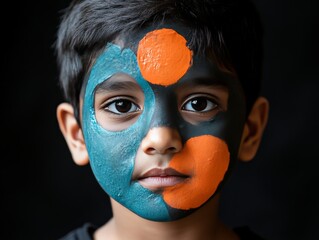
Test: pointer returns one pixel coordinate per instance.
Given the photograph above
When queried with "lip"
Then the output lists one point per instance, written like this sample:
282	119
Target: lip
157	178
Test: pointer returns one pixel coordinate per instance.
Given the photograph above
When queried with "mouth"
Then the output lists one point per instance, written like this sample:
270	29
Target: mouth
156	179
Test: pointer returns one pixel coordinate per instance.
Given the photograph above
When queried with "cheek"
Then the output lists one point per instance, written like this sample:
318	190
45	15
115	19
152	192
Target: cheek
111	158
112	153
206	159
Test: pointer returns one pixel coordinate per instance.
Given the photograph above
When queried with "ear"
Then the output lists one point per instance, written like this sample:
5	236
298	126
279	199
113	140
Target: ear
253	130
72	133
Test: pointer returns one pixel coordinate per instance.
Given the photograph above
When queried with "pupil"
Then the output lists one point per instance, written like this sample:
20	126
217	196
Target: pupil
123	106
199	104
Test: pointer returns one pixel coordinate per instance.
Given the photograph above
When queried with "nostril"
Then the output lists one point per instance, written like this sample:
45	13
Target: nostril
171	150
161	151
150	150
162	140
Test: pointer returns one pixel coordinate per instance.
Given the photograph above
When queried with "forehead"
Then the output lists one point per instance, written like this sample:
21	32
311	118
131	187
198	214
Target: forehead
132	39
164	54
161	54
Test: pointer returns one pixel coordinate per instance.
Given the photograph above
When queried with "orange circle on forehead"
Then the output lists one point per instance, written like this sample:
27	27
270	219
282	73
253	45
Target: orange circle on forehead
163	57
206	159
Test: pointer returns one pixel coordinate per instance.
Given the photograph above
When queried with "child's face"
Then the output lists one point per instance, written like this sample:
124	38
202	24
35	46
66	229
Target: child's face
162	125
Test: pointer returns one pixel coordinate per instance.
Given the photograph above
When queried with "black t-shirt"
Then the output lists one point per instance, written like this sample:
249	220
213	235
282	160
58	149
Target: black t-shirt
245	233
86	232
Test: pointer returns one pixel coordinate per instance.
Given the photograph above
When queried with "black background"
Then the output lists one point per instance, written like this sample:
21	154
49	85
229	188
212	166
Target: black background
44	194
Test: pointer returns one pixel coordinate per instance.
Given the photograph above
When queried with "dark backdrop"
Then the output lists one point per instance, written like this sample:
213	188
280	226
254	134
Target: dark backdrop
44	194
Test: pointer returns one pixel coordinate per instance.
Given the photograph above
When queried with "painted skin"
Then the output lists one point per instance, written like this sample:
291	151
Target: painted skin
132	103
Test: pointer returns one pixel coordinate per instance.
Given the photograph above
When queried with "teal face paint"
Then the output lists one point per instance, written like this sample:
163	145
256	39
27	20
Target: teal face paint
112	154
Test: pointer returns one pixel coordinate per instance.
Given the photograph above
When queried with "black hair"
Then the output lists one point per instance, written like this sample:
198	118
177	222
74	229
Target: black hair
228	30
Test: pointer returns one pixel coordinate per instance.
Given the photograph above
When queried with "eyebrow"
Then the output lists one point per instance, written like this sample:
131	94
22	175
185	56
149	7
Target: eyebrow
206	82
113	85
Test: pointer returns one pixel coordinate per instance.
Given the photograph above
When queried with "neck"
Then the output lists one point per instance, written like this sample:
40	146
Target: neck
202	224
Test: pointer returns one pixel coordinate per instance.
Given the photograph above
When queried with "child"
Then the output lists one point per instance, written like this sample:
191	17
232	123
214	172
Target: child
163	99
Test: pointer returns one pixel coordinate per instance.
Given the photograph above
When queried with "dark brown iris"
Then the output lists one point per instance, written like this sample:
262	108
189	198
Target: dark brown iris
123	106
199	104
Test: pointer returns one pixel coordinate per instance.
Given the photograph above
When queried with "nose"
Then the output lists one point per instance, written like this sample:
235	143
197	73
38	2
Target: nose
162	140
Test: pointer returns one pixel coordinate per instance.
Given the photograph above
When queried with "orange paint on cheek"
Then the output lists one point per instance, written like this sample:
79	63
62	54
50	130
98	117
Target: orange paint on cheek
163	57
206	159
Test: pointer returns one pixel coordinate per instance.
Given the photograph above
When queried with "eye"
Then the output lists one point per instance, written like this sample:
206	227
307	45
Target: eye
199	104
121	106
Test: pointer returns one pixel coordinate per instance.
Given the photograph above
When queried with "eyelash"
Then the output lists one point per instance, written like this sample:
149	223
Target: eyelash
111	107
209	104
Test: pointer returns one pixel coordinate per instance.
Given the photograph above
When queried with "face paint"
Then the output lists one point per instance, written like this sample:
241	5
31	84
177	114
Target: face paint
209	146
162	69
205	156
163	56
112	154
